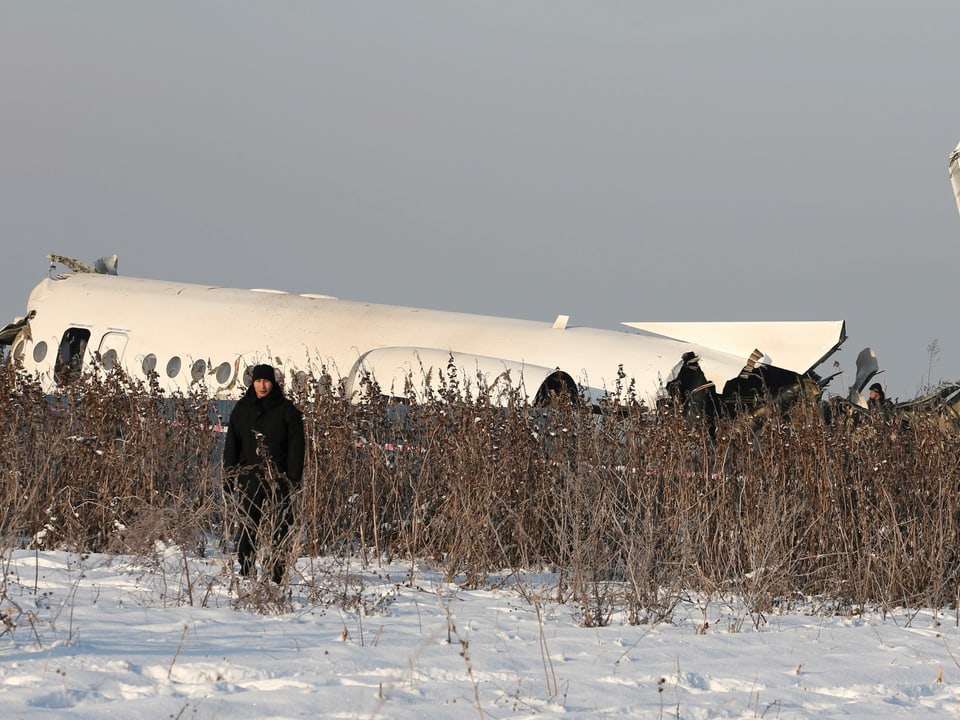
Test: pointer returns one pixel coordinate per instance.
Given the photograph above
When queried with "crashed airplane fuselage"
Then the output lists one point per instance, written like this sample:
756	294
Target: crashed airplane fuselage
188	333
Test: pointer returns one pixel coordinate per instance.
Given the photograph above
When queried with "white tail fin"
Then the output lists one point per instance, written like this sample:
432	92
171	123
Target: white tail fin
953	165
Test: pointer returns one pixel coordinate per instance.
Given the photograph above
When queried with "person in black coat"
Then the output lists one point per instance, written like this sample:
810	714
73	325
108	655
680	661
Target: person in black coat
878	401
263	459
695	394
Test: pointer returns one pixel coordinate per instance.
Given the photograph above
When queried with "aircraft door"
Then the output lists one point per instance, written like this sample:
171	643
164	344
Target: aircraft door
111	349
70	355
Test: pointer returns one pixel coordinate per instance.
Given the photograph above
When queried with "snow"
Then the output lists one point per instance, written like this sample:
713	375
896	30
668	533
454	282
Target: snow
176	636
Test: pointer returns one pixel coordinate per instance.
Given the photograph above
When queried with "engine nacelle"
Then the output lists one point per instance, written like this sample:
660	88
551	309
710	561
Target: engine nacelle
404	371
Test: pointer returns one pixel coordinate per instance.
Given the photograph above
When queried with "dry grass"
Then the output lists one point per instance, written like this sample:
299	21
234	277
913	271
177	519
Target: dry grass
630	511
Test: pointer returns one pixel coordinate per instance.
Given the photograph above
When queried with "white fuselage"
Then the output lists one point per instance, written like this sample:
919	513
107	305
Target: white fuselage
188	333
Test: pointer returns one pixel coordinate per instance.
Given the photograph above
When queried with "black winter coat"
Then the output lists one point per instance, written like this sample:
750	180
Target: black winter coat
282	427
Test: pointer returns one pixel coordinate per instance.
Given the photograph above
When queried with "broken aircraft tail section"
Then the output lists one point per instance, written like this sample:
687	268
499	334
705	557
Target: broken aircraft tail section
953	166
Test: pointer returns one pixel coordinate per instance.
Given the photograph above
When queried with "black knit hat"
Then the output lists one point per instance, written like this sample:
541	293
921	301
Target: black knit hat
263	372
877	387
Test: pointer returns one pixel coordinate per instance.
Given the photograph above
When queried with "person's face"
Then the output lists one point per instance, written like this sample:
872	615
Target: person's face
874	394
262	387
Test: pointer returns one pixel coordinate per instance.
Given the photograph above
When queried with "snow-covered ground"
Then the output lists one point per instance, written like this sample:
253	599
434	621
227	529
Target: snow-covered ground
98	636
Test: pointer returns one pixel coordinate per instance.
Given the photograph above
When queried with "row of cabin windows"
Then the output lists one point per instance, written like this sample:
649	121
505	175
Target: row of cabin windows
74	343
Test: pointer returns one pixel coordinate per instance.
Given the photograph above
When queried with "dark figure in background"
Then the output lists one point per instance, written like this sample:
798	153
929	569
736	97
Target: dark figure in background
878	401
264	422
697	395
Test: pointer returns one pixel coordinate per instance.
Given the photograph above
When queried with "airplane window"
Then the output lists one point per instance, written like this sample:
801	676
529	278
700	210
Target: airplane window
109	359
39	351
223	373
248	376
173	367
196	372
149	364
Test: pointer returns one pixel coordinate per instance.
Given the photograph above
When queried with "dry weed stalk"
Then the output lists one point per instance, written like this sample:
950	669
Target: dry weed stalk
630	509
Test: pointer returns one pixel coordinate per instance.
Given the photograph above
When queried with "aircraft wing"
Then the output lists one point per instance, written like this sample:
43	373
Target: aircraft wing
797	346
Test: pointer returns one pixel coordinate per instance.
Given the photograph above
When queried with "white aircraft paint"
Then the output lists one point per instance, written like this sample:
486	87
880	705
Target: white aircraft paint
953	166
190	333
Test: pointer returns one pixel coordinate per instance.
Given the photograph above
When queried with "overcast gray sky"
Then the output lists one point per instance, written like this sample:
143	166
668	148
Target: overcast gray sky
608	160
